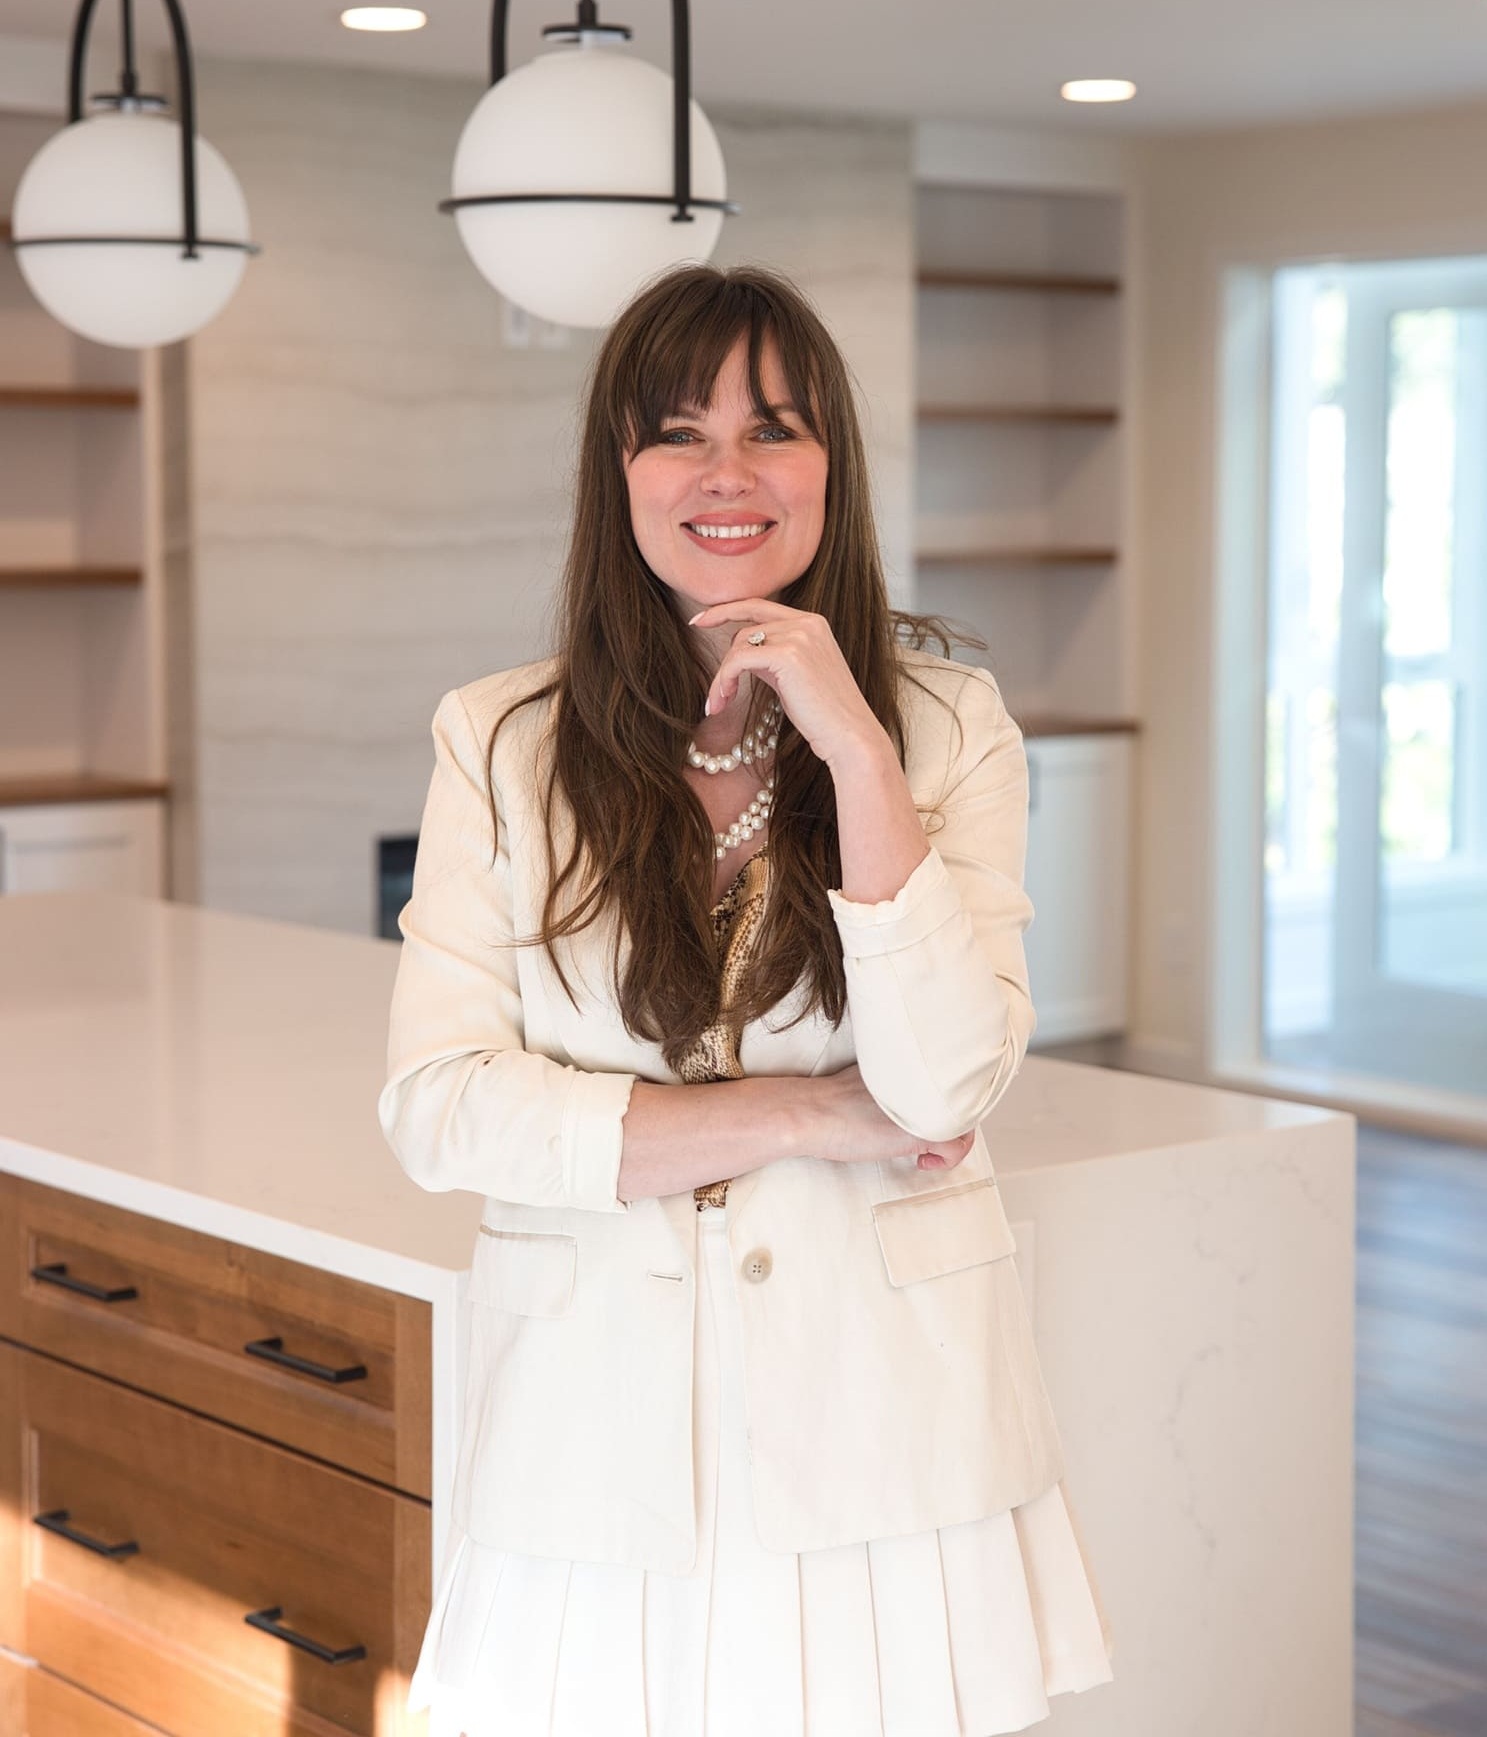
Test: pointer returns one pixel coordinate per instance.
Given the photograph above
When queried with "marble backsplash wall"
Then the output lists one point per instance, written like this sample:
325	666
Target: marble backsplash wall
379	483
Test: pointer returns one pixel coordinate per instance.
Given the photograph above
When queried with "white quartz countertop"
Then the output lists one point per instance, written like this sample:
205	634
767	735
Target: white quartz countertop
217	1071
221	1072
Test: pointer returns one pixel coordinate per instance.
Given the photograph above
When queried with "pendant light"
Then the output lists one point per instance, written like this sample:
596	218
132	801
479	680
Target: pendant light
127	227
586	171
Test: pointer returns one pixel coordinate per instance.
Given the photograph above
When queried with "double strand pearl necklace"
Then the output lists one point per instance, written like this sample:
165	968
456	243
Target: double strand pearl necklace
758	744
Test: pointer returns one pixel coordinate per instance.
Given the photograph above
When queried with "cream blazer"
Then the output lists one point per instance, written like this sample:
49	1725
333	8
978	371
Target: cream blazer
892	1380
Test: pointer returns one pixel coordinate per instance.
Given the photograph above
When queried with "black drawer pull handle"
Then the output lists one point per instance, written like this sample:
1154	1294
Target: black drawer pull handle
268	1621
56	1274
272	1351
56	1521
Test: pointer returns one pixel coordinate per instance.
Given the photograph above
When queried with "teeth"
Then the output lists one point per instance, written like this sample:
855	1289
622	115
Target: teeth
727	530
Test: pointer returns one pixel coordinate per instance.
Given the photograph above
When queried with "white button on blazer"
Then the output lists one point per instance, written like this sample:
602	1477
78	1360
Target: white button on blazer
892	1383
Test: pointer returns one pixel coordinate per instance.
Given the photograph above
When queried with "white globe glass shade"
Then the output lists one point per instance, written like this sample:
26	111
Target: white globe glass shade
587	119
120	174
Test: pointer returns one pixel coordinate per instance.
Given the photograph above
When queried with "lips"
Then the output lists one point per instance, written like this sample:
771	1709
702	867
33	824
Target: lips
728	536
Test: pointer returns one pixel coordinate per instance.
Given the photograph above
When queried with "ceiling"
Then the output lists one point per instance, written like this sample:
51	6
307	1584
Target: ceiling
1198	64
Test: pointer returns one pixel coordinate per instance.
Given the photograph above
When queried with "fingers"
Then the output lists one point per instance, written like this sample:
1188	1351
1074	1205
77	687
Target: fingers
731	666
940	1159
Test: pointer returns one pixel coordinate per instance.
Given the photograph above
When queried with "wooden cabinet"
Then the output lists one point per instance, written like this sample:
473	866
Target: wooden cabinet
214	1476
38	1703
321	1363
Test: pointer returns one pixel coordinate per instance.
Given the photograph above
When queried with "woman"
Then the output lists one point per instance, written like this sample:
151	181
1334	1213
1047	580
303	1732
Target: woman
755	1440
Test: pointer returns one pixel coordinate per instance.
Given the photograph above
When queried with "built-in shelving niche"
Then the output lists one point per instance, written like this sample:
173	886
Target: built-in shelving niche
78	646
1020	443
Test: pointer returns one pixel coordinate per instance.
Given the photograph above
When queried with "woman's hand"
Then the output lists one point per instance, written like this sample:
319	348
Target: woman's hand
852	1129
801	660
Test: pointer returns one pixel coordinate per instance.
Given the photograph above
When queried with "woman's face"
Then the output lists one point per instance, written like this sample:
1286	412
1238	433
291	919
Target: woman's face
726	504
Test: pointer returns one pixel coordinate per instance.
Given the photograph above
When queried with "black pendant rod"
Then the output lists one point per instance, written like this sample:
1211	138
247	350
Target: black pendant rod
80	28
499	11
681	109
128	77
185	97
681	88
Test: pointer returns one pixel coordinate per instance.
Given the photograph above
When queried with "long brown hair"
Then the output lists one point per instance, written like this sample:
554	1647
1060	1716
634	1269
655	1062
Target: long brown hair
631	678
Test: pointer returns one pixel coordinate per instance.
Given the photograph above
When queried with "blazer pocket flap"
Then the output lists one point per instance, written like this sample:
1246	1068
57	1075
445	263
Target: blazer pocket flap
923	1235
528	1272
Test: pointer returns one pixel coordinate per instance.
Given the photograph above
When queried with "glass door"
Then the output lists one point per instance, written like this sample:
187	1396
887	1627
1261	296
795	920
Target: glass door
1376	852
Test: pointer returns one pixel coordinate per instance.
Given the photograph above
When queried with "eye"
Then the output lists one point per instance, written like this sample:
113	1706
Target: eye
772	429
673	437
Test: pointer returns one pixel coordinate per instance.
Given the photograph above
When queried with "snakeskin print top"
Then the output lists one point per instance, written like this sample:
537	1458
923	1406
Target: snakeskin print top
714	1056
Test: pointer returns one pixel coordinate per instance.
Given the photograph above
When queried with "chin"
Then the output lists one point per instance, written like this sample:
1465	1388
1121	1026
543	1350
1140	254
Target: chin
734	583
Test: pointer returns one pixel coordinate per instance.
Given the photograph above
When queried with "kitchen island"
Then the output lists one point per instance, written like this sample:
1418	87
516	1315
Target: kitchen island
188	1113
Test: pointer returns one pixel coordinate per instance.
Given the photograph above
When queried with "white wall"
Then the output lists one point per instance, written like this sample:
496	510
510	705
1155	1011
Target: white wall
379	487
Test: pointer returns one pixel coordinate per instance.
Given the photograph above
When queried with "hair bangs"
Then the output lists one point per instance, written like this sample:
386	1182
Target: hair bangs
799	363
675	366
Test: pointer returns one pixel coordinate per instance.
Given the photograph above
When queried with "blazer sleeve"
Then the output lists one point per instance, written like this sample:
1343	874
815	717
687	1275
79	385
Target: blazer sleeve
937	983
465	1105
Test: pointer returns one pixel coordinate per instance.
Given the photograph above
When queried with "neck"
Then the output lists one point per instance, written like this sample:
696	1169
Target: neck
719	732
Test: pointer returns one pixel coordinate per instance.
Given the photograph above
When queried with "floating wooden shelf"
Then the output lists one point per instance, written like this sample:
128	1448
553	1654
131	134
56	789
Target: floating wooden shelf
48	578
57	787
65	397
1017	413
1034	282
1071	724
1041	557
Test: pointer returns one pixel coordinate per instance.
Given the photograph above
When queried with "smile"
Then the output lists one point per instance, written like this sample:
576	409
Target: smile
726	533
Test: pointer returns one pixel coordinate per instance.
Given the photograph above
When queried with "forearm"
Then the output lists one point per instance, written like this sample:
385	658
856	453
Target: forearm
880	834
678	1137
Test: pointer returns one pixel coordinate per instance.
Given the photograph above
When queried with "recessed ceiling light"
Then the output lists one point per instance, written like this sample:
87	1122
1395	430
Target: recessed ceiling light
384	18
1097	90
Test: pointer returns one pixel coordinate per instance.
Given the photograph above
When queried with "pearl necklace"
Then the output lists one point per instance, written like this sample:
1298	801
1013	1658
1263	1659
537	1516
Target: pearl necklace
755	746
758	744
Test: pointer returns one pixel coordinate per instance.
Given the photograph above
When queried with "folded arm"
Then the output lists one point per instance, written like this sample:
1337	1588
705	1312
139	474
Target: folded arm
937	985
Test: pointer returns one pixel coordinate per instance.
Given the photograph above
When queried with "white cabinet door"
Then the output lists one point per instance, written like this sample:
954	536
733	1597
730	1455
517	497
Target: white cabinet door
1078	877
83	847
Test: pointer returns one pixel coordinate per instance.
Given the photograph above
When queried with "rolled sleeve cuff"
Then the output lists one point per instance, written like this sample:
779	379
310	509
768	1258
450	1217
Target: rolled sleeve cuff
928	898
593	1140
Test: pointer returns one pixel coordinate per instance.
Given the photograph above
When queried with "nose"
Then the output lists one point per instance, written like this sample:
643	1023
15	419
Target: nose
728	472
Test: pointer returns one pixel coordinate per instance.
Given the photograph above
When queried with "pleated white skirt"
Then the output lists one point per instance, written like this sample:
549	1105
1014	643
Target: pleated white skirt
960	1632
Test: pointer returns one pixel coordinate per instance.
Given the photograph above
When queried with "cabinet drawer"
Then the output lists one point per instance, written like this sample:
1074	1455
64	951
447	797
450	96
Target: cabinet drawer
34	1703
83	847
180	1528
340	1369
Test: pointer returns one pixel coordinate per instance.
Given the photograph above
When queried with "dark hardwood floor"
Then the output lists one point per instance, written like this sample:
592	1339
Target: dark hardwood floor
1420	1530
